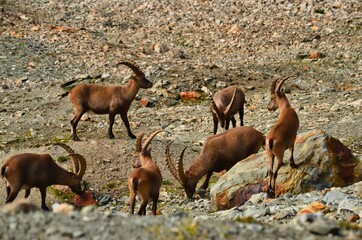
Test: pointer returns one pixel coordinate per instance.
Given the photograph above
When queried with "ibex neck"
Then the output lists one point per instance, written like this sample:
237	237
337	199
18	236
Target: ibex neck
63	177
283	103
132	88
198	170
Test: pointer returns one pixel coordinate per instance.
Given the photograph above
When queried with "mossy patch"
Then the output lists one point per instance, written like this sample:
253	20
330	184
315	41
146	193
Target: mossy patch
62	195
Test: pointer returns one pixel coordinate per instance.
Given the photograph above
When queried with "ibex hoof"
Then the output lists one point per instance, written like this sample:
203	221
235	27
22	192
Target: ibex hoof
293	165
270	193
132	136
76	138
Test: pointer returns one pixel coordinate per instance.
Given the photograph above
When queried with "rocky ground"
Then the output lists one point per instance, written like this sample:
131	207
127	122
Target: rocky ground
193	45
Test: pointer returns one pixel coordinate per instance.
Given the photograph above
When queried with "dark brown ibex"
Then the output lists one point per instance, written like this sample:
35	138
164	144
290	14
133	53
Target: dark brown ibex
29	170
282	135
225	104
111	100
219	152
145	180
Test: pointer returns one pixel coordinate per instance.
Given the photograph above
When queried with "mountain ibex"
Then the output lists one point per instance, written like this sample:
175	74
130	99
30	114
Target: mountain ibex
225	104
29	170
111	100
282	136
219	152
145	180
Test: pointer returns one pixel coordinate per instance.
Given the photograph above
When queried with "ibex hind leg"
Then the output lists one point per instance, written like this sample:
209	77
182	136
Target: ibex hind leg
291	160
241	115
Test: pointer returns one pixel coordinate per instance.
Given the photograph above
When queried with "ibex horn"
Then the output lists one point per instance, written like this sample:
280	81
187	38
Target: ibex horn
231	102
139	142
281	83
170	164
149	139
132	66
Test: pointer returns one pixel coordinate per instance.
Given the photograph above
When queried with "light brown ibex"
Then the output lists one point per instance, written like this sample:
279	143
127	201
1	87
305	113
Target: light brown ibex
282	135
111	100
29	170
219	152
225	104
145	180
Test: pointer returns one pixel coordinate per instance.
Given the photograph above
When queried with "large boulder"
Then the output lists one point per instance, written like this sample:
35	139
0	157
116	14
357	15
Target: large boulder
323	162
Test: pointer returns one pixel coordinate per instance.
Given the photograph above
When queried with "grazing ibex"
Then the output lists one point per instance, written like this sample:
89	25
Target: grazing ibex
109	100
282	135
145	180
29	170
219	152
225	104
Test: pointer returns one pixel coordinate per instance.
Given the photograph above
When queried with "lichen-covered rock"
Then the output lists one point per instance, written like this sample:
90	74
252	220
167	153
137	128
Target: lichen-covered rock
322	160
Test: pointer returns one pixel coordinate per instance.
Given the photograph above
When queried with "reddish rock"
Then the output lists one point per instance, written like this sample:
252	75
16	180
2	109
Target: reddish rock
84	199
190	95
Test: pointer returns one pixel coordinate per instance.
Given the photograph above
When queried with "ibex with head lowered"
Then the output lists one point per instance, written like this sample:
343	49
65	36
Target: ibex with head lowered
29	170
145	180
111	100
225	104
282	135
219	152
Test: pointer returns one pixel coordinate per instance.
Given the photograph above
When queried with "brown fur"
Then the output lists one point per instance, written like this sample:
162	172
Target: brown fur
219	152
282	135
29	170
221	101
111	100
146	180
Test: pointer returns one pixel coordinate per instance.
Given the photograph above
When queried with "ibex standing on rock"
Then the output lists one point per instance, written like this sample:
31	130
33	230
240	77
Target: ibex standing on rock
225	104
145	180
29	170
282	136
111	100
219	152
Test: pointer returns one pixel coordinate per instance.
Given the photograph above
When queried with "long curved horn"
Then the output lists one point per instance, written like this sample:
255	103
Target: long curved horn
214	107
70	151
132	66
170	164
180	167
65	146
231	102
83	164
277	89
272	86
139	142
149	139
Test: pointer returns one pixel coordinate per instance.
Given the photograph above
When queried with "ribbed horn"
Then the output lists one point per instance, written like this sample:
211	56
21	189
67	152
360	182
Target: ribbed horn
132	66
65	146
272	86
180	168
83	164
277	89
139	142
214	107
149	139
231	102
170	164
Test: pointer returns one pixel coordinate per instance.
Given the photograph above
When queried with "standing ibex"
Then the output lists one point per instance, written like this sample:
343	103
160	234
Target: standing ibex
29	170
145	180
219	152
225	104
109	100
282	135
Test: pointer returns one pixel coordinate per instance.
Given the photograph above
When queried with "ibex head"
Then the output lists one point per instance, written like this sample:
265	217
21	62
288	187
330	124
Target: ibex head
139	76
79	167
142	150
275	93
222	115
184	177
